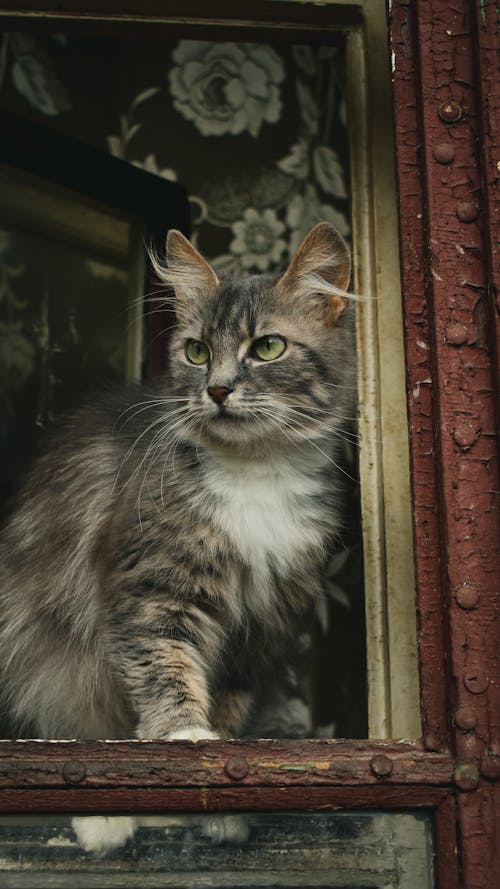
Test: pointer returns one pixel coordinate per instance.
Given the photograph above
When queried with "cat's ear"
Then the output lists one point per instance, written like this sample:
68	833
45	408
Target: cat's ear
319	272
192	278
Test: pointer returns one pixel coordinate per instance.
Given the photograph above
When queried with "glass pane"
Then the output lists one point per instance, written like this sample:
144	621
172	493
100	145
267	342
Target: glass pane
349	849
274	144
66	325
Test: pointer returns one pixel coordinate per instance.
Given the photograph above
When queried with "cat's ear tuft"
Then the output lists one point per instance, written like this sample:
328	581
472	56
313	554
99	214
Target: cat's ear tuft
191	277
319	272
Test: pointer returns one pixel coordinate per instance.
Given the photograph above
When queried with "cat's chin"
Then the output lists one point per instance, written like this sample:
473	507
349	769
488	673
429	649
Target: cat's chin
249	435
237	436
233	429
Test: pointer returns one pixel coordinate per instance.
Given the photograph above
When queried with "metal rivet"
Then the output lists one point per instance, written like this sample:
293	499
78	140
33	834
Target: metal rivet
466	718
450	111
467	211
444	153
73	772
432	741
490	766
381	766
466	435
456	334
467	596
237	767
476	681
466	776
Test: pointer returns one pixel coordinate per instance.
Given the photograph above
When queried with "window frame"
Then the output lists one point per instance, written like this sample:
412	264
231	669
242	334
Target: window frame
443	63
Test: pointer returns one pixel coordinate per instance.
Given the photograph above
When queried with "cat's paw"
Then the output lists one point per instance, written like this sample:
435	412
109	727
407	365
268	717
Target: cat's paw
193	733
225	828
101	834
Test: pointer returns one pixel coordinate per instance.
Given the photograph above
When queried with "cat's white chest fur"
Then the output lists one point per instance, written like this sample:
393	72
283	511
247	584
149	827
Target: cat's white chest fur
267	508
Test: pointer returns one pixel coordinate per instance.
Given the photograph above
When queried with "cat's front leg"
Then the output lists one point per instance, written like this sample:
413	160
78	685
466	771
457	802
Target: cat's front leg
171	693
168	653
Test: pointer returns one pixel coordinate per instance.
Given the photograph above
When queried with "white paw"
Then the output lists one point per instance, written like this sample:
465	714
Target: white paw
225	828
193	733
101	834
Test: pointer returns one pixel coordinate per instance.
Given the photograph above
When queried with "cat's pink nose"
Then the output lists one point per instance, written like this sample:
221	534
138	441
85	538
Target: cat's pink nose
219	393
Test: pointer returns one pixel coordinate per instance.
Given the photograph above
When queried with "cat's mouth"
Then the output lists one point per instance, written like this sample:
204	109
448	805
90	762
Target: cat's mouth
232	424
229	415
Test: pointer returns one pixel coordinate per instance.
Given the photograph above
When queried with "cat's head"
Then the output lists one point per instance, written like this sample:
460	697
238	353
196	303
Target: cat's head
262	359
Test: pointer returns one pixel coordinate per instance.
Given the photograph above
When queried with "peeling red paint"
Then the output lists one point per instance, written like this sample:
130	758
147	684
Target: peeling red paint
447	116
450	270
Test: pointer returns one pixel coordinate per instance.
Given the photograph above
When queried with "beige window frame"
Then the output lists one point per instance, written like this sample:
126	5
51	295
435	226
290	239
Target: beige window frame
393	695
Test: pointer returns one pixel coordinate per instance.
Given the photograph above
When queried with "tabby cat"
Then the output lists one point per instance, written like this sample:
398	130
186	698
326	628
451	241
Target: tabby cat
175	533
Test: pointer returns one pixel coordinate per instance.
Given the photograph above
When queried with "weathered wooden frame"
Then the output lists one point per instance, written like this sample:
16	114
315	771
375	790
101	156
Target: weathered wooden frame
447	121
148	776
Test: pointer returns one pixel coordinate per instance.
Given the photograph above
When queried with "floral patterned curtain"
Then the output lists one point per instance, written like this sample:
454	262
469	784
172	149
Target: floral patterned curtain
256	133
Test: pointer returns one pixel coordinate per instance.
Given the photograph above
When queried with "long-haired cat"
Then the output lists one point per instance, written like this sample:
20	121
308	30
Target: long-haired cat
175	533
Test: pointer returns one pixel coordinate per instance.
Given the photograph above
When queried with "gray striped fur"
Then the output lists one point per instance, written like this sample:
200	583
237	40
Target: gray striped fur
165	548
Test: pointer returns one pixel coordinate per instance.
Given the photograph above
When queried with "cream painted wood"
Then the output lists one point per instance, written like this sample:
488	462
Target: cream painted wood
393	689
384	454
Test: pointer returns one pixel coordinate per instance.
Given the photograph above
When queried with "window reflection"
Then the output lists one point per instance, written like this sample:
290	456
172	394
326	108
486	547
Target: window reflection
366	850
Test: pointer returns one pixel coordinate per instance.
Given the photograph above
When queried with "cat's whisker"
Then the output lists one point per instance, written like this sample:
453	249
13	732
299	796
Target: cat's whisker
163	331
328	457
348	435
166	305
148	295
164	298
276	423
154	451
316	409
149	460
345	434
131	323
328	428
161	419
173	445
306	438
146	405
280	424
164	415
332	385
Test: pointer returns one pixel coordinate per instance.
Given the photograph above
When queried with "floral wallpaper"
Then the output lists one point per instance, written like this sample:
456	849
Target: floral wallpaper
257	135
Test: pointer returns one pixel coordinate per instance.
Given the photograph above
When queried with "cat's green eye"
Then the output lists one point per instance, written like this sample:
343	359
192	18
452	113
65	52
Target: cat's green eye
197	352
267	348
